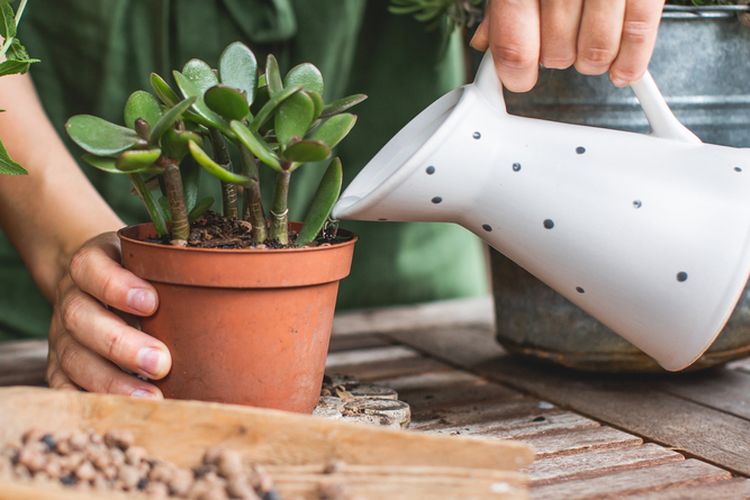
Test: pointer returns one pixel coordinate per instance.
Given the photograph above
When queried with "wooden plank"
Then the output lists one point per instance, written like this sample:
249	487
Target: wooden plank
598	463
473	311
473	393
722	389
371	372
23	362
649	479
520	428
388	353
634	404
734	489
585	440
472	414
351	342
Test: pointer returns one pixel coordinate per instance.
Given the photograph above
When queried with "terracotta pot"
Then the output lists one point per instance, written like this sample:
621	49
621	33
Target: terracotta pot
243	326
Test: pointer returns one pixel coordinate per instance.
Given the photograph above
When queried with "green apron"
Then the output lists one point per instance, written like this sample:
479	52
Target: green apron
96	52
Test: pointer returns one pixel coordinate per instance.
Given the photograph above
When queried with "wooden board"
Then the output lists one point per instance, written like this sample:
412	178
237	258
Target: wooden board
180	431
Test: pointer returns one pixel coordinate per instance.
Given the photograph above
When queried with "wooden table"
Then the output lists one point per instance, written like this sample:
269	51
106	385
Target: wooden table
661	437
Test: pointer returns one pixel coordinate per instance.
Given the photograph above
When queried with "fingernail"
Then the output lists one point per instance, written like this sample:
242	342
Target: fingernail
140	393
619	82
142	300
153	361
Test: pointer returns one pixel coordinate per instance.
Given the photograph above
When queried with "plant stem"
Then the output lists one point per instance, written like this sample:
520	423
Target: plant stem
19	12
176	199
228	191
253	199
280	208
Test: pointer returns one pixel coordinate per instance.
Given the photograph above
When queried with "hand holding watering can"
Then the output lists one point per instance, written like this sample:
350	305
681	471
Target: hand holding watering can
647	233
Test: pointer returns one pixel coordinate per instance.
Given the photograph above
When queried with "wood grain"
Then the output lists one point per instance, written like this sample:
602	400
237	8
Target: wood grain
599	438
735	489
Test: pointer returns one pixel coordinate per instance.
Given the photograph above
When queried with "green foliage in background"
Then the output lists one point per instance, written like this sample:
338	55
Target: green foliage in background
16	61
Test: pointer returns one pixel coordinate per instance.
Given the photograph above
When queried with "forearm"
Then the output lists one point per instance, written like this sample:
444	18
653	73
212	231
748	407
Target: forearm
51	212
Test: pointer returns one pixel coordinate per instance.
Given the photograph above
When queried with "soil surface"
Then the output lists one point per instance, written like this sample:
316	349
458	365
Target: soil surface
212	230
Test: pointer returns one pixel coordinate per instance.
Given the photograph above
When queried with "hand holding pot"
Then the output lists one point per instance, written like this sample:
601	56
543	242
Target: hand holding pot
89	343
597	36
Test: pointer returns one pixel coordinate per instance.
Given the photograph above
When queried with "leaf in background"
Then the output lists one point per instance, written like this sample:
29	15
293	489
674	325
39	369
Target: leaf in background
157	214
307	75
229	102
201	74
163	91
7	21
273	75
293	117
317	100
169	118
322	203
191	175
214	168
342	104
334	129
137	160
269	107
306	151
100	137
200	208
7	165
238	68
141	104
256	145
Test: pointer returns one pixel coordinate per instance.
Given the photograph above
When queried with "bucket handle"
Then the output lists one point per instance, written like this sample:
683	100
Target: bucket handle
663	122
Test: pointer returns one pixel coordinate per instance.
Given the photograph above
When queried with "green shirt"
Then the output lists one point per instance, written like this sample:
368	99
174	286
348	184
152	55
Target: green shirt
96	52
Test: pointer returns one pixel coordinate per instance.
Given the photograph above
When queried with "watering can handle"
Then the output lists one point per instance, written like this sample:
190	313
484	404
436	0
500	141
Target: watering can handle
663	122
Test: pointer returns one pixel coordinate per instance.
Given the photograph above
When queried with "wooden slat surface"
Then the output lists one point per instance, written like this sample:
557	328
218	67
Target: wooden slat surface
458	381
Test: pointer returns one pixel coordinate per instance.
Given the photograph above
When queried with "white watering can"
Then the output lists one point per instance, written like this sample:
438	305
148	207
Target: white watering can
647	233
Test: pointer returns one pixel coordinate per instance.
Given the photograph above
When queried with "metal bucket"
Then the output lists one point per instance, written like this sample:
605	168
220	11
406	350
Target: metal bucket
701	65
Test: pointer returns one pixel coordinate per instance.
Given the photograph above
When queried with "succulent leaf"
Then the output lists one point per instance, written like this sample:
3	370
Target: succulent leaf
207	117
100	137
201	74
273	75
169	118
238	68
256	145
270	106
163	90
334	129
322	203
227	101
306	151
293	117
157	214
213	168
318	103
141	104
307	75
340	105
137	160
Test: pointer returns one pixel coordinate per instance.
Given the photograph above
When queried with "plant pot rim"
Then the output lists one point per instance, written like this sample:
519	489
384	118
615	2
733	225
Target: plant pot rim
126	233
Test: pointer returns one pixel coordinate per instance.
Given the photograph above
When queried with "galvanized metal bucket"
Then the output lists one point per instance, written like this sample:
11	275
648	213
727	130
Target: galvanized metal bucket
701	64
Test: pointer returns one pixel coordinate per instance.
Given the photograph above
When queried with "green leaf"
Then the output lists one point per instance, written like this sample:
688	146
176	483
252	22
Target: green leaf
342	104
238	68
100	137
169	118
214	168
174	143
200	208
307	75
273	75
229	102
322	203
7	21
306	151
293	118
17	59
191	175
142	104
256	145
334	129
269	107
7	165
201	74
207	116
163	91
155	211
137	160
109	165
318	104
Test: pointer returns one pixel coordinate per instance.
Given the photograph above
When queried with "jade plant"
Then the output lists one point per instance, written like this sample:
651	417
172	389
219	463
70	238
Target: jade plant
15	60
231	121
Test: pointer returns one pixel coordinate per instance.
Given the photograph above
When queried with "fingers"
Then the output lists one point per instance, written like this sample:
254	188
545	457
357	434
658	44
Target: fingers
92	373
514	40
599	35
96	269
638	39
108	335
559	27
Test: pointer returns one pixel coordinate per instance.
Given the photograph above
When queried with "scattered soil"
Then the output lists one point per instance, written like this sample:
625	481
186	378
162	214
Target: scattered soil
88	461
212	230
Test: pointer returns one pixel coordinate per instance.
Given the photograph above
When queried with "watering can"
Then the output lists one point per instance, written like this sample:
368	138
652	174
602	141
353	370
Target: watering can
649	234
